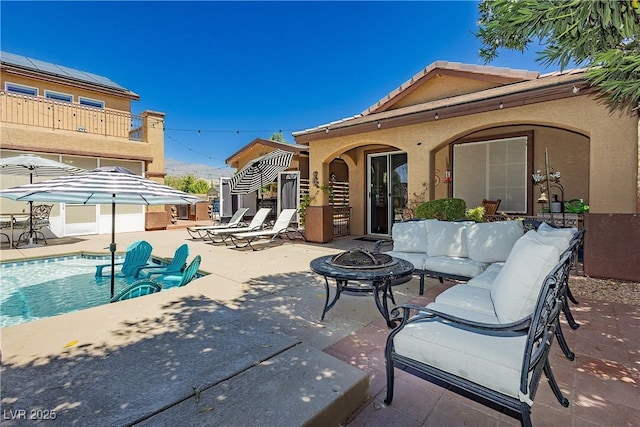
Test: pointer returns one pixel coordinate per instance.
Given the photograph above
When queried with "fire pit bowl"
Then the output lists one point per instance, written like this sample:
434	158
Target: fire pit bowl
360	259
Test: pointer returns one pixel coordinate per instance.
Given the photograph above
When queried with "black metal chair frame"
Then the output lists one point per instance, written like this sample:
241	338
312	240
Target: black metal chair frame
39	219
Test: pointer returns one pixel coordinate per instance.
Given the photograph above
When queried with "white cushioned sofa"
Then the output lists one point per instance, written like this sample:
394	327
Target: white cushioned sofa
456	250
489	339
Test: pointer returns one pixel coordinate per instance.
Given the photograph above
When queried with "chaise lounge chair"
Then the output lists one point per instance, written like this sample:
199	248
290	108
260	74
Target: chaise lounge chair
241	240
176	265
136	256
138	289
221	235
200	232
177	280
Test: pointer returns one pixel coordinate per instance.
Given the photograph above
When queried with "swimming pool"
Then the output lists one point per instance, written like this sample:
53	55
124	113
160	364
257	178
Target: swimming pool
39	288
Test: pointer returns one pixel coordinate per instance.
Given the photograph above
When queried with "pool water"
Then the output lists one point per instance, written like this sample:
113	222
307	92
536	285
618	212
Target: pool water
35	289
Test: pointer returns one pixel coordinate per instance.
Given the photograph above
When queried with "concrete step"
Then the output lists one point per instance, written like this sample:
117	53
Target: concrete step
300	386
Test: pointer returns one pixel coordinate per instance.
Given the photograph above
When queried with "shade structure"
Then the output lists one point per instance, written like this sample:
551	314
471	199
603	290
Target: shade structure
115	185
260	171
32	165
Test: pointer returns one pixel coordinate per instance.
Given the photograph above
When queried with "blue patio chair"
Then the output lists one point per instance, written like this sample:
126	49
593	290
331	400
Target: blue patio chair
137	255
138	289
176	265
177	280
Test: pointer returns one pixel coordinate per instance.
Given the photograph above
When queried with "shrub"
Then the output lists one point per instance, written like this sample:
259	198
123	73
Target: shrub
476	214
442	209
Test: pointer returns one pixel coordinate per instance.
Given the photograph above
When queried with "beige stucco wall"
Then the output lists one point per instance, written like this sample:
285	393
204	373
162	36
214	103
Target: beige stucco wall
443	86
111	101
613	155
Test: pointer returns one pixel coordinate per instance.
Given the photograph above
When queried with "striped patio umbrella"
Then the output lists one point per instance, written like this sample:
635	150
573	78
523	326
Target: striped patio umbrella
260	171
32	165
115	185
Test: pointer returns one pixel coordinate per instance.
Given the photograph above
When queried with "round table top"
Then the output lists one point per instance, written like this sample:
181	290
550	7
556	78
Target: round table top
400	268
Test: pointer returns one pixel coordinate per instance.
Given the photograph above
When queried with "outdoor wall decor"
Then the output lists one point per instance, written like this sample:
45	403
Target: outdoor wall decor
545	182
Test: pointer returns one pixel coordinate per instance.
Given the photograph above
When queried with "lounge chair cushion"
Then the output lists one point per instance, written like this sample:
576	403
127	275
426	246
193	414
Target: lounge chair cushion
410	236
492	241
415	258
446	239
468	297
516	287
455	265
492	361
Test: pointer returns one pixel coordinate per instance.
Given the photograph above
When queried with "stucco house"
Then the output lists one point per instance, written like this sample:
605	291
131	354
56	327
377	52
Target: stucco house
82	119
474	132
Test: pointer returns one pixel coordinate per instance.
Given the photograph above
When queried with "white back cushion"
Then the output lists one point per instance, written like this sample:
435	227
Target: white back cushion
492	241
515	290
410	236
446	238
558	237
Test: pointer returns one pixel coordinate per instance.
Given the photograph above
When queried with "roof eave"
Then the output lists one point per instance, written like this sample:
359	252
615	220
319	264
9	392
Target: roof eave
518	94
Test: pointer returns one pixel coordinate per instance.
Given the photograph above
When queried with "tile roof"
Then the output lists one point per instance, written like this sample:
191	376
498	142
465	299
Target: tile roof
295	148
501	74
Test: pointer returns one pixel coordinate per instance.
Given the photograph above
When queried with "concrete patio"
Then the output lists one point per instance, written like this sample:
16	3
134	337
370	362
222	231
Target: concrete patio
244	345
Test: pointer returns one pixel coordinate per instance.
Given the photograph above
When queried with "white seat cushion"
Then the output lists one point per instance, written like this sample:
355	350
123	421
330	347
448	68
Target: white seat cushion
485	280
516	287
415	258
446	238
410	236
491	361
454	265
492	241
468	297
464	313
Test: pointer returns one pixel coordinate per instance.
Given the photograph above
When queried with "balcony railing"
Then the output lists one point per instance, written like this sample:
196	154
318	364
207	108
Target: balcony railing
42	112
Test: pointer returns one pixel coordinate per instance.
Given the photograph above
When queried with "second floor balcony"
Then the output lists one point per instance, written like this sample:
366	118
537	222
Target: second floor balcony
45	113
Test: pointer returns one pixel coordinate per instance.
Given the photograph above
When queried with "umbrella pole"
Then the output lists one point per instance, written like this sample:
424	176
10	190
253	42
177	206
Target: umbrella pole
31	213
112	246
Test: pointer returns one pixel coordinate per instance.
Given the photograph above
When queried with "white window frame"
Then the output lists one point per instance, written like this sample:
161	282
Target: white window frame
8	85
490	193
83	100
58	96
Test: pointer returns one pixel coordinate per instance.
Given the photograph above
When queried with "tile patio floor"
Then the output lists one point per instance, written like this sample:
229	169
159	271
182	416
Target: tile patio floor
602	383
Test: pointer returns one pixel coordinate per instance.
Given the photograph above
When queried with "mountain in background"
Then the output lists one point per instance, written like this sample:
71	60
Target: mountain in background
177	168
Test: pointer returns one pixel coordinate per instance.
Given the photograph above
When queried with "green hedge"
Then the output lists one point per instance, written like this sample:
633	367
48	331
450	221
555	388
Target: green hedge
442	209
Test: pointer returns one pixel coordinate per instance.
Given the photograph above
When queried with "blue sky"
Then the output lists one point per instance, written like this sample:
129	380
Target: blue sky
227	72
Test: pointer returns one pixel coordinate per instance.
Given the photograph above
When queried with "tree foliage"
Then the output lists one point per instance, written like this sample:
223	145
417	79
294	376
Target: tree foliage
600	35
277	136
188	184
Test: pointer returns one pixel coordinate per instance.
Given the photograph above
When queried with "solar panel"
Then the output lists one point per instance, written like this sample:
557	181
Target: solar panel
47	67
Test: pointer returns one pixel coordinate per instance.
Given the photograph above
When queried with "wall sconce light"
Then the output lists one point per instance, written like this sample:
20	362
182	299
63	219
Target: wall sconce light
379	125
575	89
501	106
436	117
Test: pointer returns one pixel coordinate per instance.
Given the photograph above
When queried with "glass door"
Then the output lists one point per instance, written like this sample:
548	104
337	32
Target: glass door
387	196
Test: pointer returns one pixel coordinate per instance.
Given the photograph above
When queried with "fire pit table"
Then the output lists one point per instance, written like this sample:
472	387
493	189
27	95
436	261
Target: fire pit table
360	271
